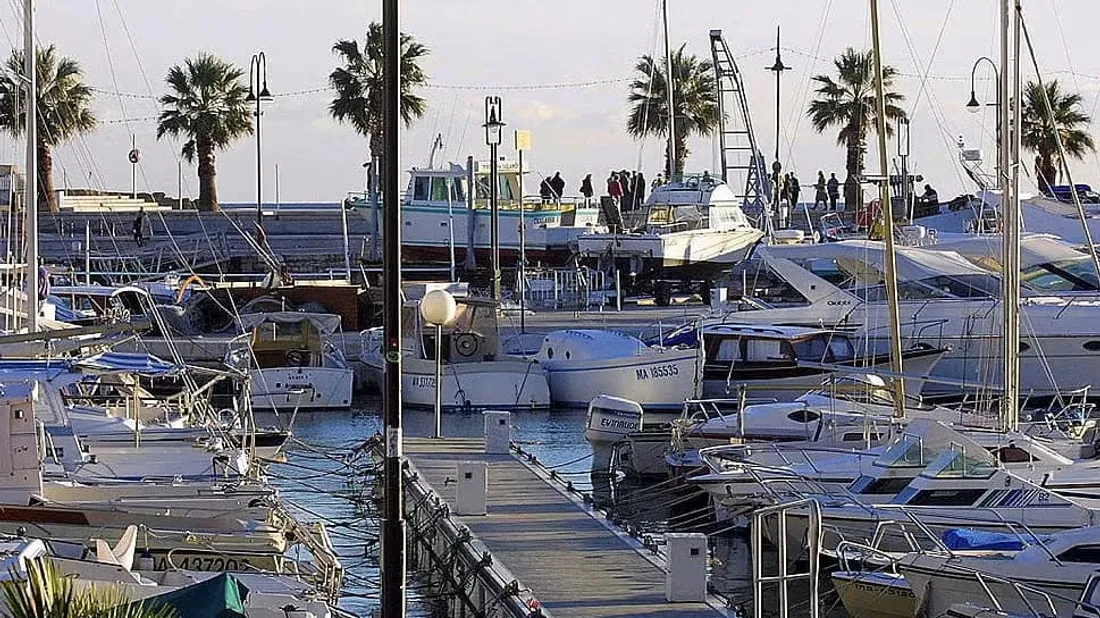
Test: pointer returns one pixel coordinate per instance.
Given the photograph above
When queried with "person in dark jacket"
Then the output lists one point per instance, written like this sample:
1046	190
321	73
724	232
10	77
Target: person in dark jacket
546	192
628	190
586	188
557	184
821	196
793	190
834	191
615	188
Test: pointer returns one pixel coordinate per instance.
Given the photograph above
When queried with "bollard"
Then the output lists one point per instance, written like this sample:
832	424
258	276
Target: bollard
498	428
471	492
686	579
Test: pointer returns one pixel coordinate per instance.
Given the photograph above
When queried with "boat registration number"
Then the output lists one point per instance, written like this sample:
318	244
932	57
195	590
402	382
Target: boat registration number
656	373
423	381
202	563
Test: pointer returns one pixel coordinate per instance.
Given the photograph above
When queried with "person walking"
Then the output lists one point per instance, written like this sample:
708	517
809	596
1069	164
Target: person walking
139	227
586	188
639	189
820	194
834	191
793	190
628	190
557	185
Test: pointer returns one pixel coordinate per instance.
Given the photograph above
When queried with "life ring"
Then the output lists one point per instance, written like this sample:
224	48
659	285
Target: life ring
466	344
295	358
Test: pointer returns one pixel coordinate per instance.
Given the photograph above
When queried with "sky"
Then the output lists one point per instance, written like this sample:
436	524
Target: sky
562	68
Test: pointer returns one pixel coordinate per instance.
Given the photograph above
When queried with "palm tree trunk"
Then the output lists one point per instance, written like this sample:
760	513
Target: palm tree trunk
681	152
853	197
1048	171
208	188
47	198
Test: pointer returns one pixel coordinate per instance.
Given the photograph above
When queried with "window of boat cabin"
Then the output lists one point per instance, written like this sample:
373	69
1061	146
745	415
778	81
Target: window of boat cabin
421	186
870	485
728	350
1071	275
764	350
504	192
824	348
956	464
441	190
1088	553
907	452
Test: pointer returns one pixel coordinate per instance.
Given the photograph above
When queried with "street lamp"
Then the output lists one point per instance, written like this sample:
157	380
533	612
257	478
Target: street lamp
257	92
493	134
974	106
437	308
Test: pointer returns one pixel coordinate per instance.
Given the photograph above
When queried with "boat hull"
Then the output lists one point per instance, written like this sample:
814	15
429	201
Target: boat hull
501	384
697	250
659	380
302	388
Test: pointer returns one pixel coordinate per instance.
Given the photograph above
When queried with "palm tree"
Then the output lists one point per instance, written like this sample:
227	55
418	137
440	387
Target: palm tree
359	84
206	106
849	103
1038	135
64	109
694	95
47	593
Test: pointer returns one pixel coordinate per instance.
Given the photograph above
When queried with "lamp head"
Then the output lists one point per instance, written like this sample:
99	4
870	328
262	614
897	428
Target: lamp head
265	94
251	98
438	307
972	105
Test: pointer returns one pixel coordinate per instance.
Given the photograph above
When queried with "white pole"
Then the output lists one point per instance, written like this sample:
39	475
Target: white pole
30	204
347	244
133	168
451	226
438	381
277	203
179	182
88	252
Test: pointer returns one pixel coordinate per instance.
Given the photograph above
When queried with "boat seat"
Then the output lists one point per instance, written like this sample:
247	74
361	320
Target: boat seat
122	554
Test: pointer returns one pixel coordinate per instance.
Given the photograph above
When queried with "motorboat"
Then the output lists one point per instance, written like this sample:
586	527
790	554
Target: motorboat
290	365
945	301
781	363
441	222
582	364
476	374
692	229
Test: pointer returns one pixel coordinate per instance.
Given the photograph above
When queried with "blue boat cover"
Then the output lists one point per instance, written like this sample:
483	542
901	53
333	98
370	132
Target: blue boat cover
124	362
970	539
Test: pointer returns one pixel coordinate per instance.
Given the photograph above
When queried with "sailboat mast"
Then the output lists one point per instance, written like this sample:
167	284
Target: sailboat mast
1009	152
669	81
887	220
30	201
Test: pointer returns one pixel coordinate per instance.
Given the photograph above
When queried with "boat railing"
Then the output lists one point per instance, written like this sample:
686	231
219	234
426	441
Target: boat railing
785	577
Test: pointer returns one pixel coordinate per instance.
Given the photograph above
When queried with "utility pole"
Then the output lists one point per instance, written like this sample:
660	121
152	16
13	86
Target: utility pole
393	514
493	134
30	202
670	89
777	166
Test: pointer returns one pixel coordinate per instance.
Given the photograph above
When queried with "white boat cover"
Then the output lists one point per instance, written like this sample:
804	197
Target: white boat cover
326	323
857	256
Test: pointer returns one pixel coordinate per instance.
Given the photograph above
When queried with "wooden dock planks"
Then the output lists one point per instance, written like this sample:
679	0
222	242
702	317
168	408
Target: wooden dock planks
571	561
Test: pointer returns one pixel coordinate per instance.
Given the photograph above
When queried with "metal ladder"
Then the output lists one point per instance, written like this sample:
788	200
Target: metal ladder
785	576
737	143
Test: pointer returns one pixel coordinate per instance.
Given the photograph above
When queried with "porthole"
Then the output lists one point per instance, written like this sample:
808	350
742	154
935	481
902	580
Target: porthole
567	355
1091	346
549	352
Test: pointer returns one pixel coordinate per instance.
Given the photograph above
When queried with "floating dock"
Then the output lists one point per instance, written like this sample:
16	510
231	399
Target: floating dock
538	543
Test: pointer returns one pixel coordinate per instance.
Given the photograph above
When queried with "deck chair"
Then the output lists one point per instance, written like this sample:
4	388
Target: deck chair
122	554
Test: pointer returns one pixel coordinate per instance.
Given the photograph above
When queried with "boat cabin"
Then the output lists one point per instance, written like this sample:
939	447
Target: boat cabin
473	335
693	204
759	352
288	338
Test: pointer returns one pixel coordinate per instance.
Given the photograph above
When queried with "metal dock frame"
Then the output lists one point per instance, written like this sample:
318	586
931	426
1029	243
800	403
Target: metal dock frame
784	578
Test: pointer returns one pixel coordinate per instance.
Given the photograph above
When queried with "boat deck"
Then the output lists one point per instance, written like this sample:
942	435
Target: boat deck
575	564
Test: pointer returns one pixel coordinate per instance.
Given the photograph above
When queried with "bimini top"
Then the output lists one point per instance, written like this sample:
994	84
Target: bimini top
326	323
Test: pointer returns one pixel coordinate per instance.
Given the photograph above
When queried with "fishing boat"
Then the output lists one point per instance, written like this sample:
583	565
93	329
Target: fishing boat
441	221
476	373
290	365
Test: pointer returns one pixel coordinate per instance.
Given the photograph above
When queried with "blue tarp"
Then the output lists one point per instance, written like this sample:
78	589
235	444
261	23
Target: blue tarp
968	539
122	362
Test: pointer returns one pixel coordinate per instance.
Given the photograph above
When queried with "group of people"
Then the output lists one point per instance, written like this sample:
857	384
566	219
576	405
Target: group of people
626	188
826	192
552	188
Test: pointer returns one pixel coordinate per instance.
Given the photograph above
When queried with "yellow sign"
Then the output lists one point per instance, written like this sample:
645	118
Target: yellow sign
523	140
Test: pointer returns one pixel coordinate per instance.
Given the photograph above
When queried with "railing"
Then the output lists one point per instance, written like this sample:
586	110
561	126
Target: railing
578	289
785	576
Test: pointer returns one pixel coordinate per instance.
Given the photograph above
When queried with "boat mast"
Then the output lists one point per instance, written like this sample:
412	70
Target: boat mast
1009	154
30	202
887	220
672	171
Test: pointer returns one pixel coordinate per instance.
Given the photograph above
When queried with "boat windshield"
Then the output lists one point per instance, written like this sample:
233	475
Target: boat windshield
907	452
969	286
438	189
677	218
1070	275
956	464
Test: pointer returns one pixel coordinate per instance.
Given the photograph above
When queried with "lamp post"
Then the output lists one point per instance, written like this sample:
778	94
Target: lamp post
493	134
523	143
903	155
777	166
438	308
257	92
974	106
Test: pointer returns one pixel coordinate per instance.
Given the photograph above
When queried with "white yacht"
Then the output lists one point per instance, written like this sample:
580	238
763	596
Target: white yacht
290	365
692	229
476	374
945	301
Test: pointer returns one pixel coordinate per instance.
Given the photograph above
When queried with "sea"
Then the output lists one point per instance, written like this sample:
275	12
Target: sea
318	483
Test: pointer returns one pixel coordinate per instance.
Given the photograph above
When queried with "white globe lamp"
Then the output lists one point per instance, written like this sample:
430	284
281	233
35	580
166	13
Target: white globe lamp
438	307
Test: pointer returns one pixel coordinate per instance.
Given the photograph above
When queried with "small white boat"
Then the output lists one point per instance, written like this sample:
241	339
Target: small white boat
475	372
290	366
582	364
